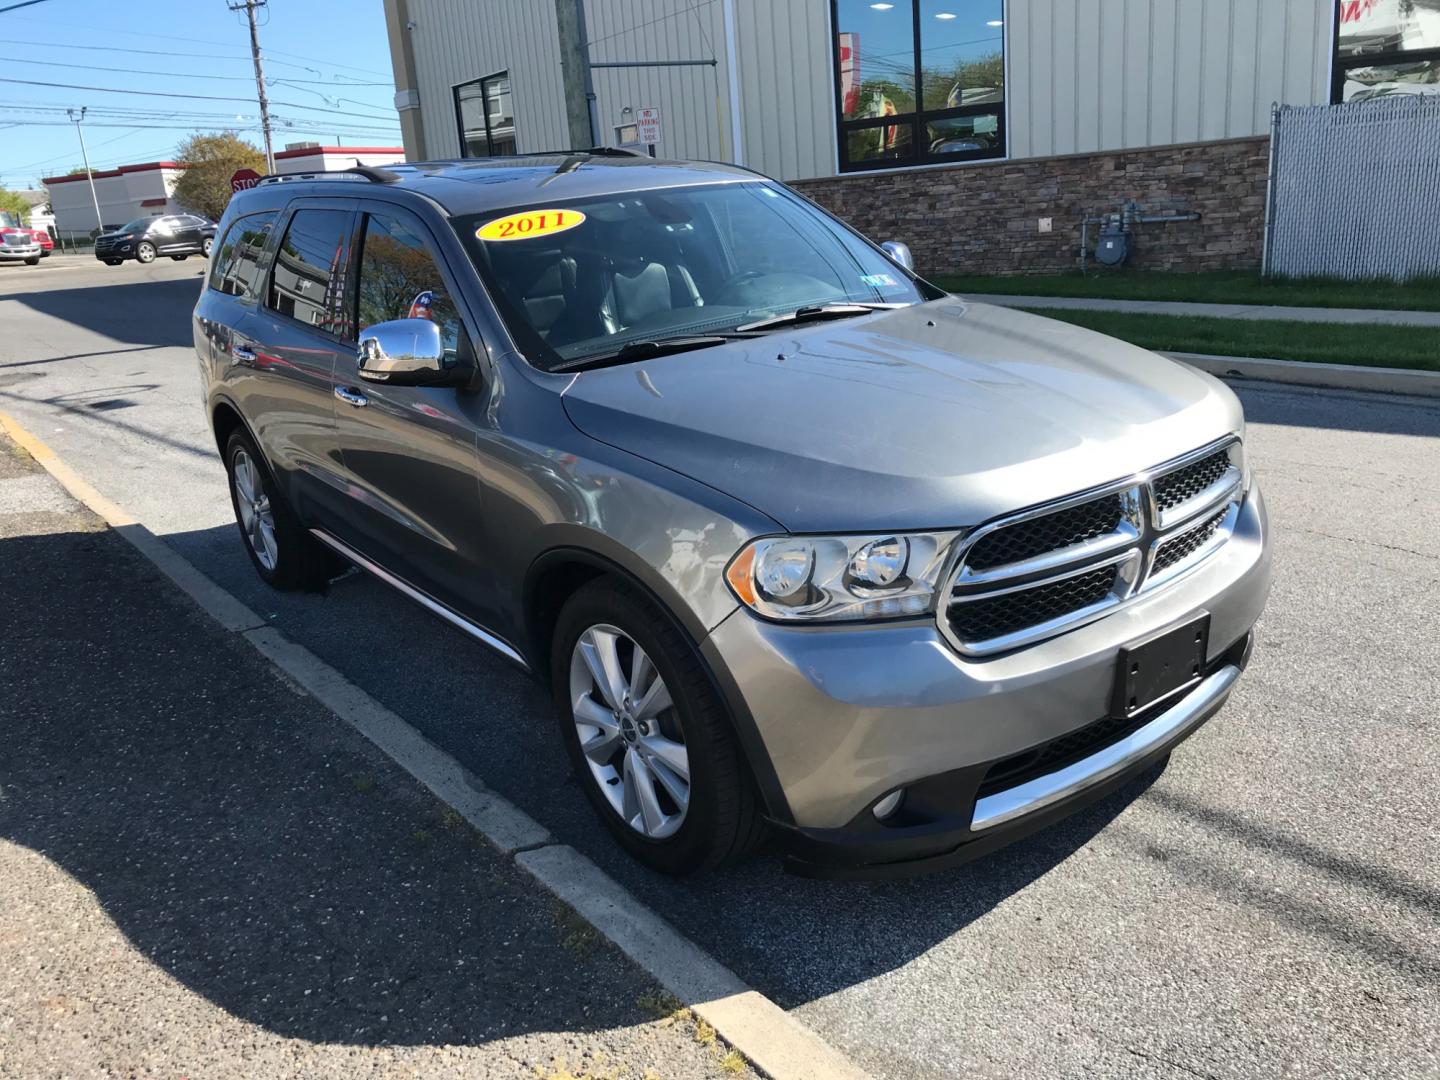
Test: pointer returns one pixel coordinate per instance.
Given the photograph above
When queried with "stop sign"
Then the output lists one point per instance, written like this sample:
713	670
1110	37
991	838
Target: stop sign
245	178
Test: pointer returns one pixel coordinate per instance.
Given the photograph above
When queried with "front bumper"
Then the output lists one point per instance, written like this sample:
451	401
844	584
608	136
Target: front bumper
17	252
841	716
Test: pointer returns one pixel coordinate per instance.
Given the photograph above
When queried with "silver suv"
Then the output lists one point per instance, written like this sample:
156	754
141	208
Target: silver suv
802	545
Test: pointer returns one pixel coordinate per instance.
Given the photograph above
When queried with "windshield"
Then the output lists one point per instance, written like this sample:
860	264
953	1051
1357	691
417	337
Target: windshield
9	220
582	278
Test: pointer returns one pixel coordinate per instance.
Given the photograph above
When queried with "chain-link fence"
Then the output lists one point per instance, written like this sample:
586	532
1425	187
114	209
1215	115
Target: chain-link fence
1355	189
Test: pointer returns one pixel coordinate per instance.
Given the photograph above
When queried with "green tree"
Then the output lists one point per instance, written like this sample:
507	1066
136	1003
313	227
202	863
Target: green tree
211	160
13	203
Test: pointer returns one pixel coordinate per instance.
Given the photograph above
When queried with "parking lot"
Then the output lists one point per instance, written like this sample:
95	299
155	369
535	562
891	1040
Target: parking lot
1268	904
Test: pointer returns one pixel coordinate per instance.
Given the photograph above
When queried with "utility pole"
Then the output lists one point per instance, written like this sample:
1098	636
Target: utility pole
581	107
249	7
89	175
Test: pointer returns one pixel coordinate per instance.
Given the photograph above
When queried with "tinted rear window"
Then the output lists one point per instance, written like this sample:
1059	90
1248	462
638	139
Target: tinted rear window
236	266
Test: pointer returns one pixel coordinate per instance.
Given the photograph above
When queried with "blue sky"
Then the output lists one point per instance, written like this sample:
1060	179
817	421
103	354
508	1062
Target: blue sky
327	64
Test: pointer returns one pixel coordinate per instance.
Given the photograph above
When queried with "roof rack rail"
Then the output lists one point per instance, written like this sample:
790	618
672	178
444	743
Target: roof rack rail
374	174
282	177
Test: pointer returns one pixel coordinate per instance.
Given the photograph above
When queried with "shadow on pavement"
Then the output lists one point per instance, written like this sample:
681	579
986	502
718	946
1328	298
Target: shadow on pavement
253	848
134	313
1297	406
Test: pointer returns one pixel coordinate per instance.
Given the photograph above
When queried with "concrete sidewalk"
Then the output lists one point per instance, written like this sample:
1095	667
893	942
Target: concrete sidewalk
203	872
1349	316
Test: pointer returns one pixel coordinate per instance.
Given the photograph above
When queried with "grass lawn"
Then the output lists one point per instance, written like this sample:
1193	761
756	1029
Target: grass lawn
1323	343
1216	287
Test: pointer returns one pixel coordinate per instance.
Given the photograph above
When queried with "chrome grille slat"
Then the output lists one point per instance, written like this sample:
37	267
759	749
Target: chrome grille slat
1143	531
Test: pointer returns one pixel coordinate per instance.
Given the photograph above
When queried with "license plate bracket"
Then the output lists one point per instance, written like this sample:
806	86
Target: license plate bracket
1160	666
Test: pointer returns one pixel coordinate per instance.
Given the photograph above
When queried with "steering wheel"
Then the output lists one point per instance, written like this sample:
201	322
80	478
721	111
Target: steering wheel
734	281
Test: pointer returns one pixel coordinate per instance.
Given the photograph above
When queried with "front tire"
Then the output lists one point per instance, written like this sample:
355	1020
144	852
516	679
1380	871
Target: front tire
206	246
114	262
647	734
145	252
33	262
284	555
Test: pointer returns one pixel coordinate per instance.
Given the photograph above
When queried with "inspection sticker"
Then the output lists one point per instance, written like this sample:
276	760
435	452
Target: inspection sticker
877	280
529	224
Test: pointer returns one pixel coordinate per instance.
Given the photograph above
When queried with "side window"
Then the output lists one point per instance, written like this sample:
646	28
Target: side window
236	265
399	279
308	280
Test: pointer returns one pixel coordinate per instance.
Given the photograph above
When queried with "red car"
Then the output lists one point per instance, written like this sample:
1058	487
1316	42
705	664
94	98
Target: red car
45	240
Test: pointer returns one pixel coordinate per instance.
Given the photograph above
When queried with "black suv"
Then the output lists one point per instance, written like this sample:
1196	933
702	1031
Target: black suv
176	235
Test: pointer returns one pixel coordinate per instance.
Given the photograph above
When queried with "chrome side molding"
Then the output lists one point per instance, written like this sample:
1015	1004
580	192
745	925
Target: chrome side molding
478	632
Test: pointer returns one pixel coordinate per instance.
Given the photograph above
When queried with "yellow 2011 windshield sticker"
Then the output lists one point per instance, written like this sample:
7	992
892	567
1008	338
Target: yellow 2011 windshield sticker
529	224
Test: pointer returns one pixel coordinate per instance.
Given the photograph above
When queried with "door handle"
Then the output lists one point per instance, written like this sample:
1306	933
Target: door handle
242	354
351	396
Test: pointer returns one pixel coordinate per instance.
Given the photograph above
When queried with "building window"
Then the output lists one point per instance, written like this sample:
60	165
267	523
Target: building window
1386	47
485	112
919	81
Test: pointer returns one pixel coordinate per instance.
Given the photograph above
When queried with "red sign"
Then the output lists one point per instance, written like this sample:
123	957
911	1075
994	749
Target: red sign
245	178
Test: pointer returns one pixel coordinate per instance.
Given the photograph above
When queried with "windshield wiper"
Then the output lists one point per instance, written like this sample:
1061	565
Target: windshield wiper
818	313
644	350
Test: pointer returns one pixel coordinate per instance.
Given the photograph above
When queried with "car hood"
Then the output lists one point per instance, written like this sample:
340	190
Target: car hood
936	415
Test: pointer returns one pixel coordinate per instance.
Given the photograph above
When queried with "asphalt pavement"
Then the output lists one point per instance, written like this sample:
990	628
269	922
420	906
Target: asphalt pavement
204	873
1268	905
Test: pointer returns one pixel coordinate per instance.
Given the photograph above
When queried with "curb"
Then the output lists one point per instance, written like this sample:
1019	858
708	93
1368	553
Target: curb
1326	376
773	1041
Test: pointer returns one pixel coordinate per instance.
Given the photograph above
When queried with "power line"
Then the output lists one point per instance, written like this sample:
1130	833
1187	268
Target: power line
169	53
286	80
249	7
23	3
189	97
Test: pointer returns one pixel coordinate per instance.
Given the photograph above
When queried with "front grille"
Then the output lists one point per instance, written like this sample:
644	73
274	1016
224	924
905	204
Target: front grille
1181	547
1174	488
1041	535
1057	753
1092	554
1007	613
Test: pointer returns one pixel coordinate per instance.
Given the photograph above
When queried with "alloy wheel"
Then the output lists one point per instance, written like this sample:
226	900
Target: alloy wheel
145	252
257	520
205	247
629	734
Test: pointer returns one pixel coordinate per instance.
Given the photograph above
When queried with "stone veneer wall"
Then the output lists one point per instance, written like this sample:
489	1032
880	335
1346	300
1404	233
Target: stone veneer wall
984	218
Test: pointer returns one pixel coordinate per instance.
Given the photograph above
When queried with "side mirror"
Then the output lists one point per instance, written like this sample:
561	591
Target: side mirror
403	352
899	253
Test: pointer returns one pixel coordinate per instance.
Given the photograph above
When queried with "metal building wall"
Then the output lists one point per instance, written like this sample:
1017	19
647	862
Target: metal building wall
1110	74
694	102
456	41
788	95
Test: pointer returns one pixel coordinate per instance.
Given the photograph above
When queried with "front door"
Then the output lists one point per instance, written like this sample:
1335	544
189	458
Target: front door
410	451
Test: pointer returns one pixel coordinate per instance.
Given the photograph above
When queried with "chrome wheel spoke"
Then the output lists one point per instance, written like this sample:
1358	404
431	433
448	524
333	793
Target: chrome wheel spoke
639	778
603	659
669	753
599	746
655	702
641	671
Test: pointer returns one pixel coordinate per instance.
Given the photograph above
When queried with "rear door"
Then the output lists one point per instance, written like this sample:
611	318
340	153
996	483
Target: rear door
292	343
410	451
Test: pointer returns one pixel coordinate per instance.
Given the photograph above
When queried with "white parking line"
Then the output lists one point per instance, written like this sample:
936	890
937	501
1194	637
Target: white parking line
775	1042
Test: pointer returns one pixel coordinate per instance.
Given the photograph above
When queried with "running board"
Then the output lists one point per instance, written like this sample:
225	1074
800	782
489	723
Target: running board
479	633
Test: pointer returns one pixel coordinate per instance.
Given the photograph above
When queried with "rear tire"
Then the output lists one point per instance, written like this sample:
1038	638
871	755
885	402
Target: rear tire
206	246
720	821
283	553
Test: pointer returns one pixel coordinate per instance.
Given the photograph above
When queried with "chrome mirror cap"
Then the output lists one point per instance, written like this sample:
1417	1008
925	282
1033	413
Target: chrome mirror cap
899	253
403	351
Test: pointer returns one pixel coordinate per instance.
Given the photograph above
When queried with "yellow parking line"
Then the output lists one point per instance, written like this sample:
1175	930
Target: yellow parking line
68	477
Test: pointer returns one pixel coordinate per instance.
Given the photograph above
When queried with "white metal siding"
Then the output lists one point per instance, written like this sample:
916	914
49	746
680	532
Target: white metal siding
1108	74
788	98
693	101
456	41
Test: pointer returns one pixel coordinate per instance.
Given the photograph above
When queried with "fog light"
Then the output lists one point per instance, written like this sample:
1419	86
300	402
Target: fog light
889	804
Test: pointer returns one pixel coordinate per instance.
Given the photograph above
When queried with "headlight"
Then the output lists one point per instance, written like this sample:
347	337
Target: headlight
840	577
